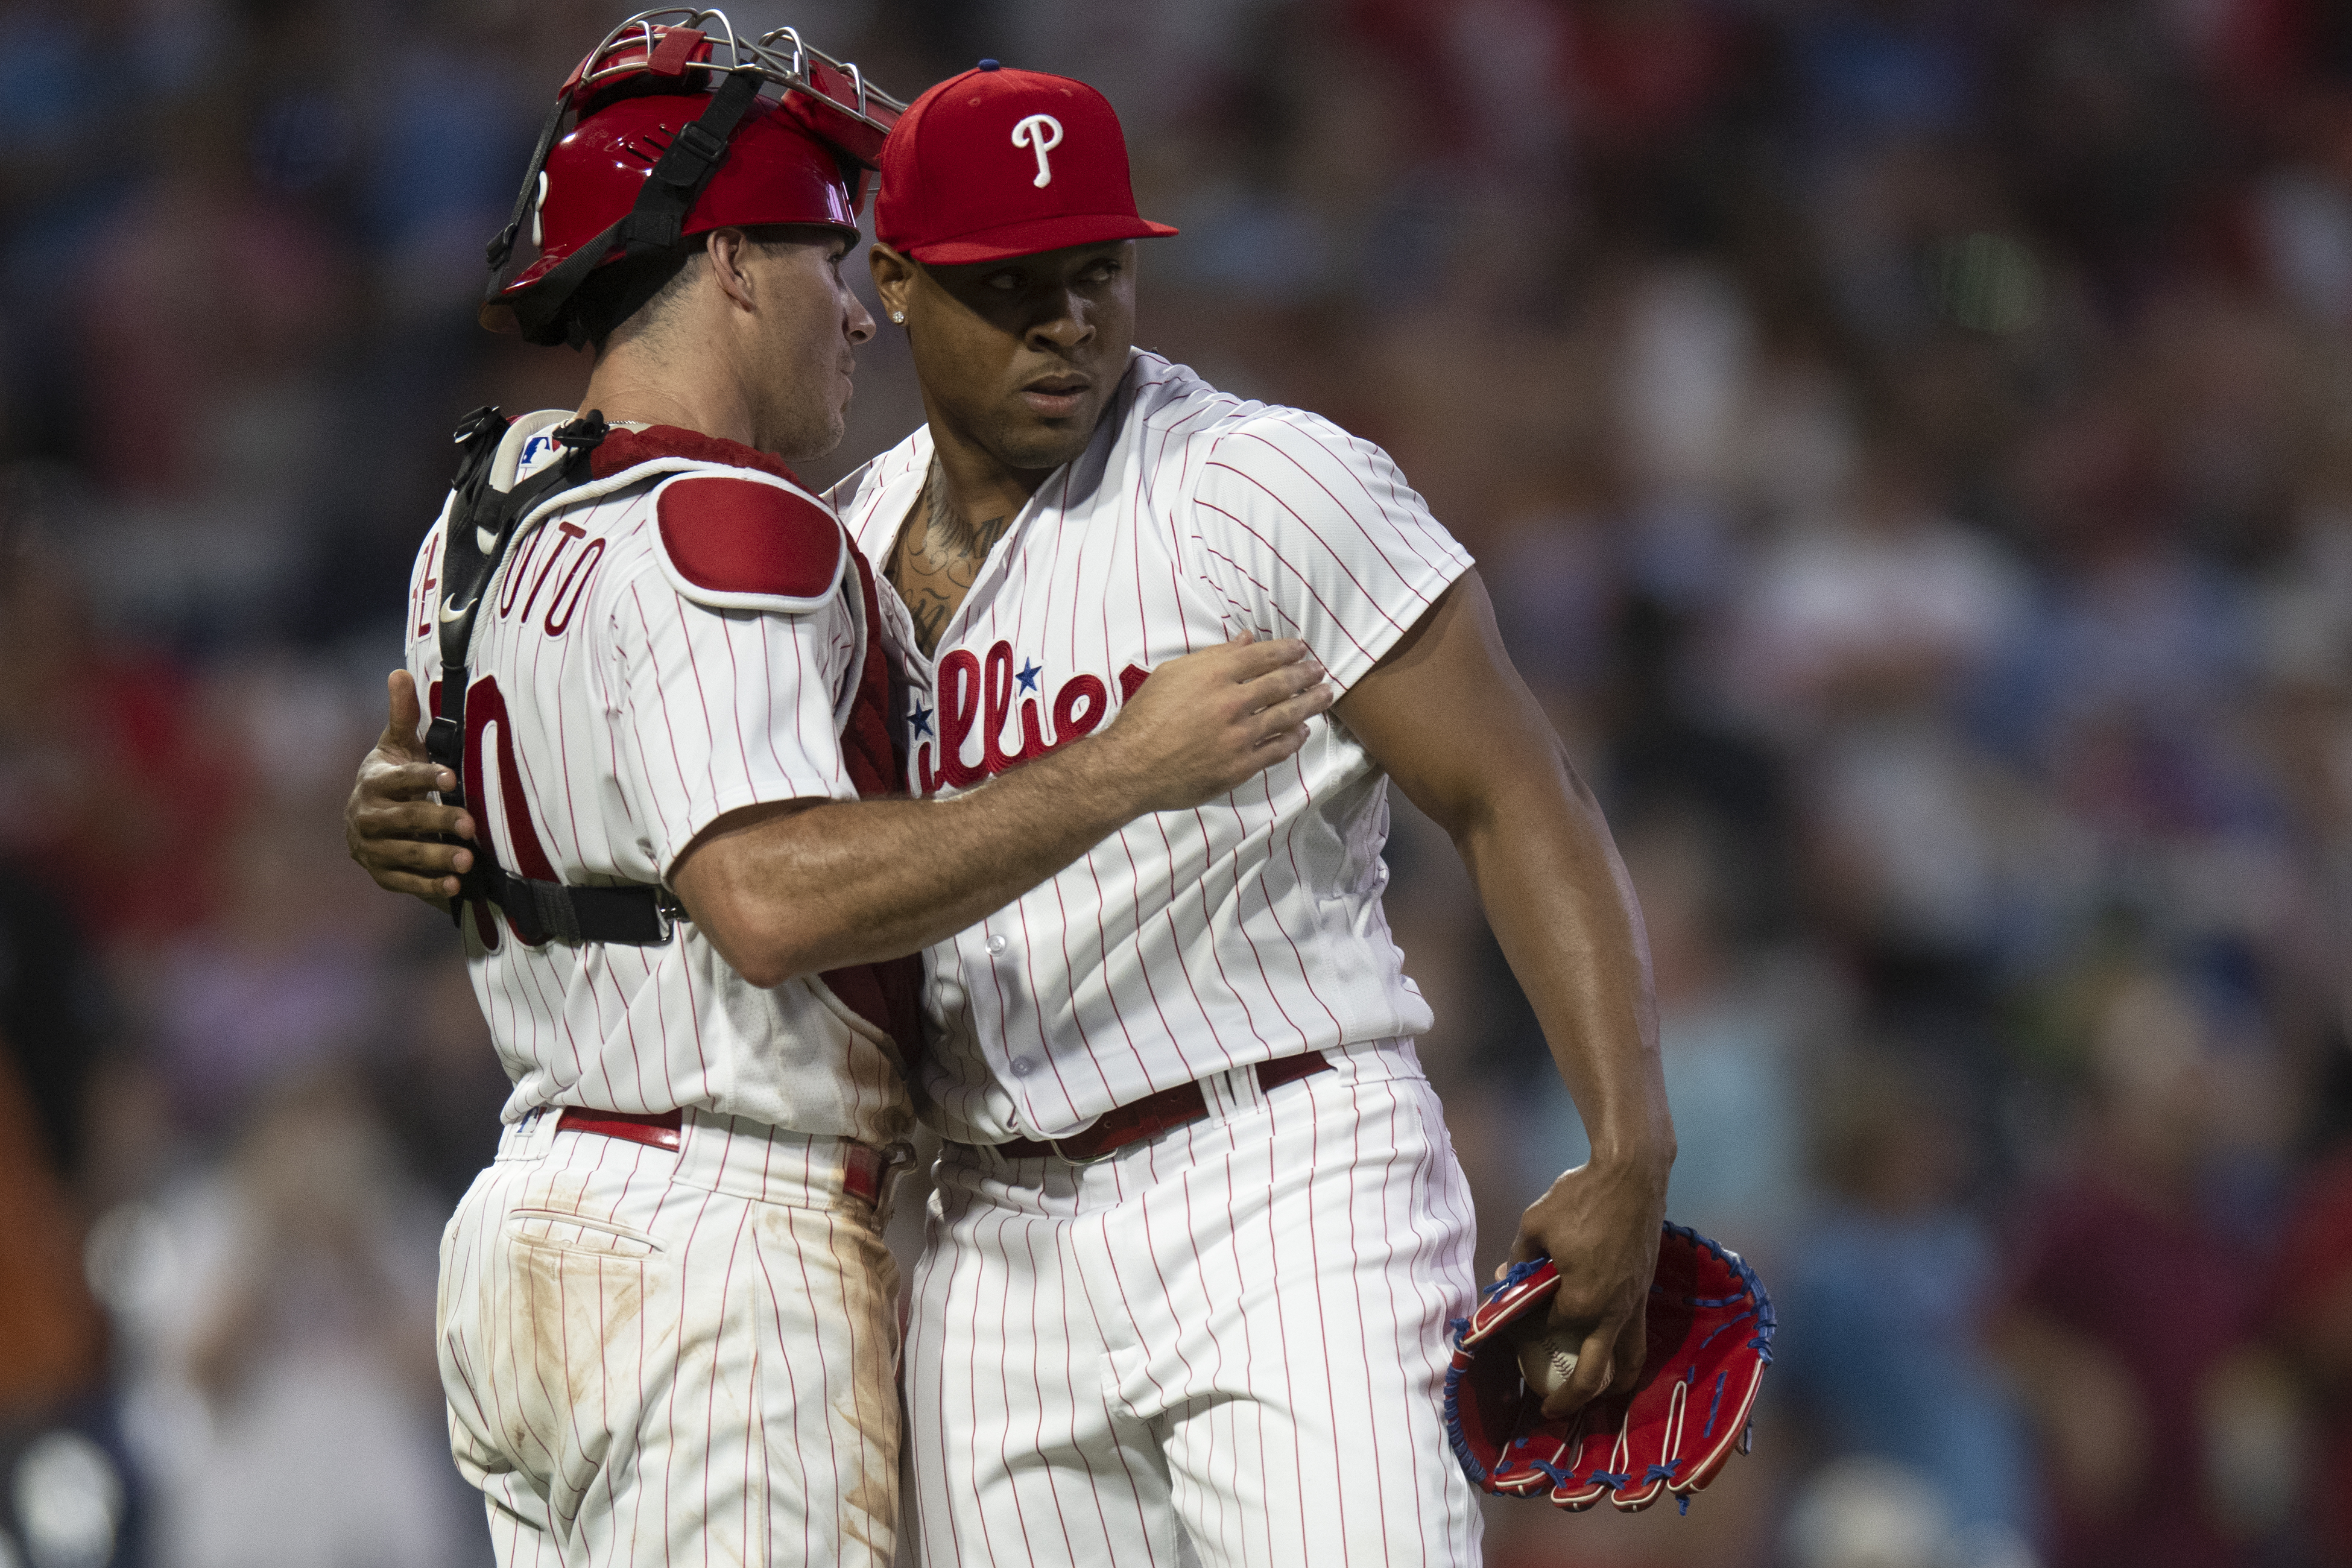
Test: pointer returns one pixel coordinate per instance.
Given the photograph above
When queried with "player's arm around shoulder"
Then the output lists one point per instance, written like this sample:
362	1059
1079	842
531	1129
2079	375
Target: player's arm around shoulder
802	887
794	873
1449	719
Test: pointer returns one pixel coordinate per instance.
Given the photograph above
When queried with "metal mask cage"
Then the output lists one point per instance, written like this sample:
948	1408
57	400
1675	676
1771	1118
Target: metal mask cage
830	97
782	57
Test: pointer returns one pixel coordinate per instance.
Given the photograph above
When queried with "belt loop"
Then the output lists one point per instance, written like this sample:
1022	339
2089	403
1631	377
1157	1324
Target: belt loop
1069	1159
1178	1106
1231	1091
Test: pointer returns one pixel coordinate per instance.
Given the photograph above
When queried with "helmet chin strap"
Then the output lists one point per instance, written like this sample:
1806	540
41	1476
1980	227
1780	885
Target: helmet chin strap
831	100
653	223
501	244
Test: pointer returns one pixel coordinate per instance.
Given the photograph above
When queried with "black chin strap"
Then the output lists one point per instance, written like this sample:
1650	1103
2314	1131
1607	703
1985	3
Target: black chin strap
653	223
501	244
483	521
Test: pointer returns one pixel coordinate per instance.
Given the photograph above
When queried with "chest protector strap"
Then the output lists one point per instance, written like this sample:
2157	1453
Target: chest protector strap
482	524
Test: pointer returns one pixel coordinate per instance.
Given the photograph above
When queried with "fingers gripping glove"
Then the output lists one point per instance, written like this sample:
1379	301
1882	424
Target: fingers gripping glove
1709	1340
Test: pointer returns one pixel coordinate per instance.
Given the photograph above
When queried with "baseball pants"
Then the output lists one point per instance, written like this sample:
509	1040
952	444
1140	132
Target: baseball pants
672	1357
1232	1334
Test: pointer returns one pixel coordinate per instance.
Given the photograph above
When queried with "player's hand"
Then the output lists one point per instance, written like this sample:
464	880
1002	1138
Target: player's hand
1213	718
1599	1225
391	829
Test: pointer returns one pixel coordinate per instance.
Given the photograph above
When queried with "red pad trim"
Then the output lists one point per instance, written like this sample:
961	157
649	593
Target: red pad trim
741	543
624	449
677	46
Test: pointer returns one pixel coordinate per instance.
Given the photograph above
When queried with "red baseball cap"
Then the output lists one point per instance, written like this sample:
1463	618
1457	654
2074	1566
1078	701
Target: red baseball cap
996	163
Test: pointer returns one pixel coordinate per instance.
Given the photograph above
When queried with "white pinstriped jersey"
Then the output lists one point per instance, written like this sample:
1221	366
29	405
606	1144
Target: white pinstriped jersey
614	719
1188	942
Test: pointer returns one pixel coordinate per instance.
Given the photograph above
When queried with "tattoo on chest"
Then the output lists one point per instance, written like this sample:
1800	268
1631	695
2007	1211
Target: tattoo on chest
937	559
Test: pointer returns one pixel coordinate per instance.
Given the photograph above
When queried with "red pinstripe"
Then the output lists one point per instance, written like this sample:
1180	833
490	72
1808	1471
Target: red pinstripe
1037	1389
1126	1472
1292	457
791	1378
1337	623
1004	1376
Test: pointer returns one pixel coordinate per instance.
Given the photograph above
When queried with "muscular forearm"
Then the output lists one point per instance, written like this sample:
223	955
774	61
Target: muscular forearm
798	888
1560	903
855	882
1459	731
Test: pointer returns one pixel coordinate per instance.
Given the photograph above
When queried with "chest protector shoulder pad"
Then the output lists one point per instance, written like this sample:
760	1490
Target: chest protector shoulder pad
747	541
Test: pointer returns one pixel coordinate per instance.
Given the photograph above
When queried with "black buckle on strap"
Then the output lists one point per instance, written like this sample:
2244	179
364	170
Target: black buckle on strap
691	152
584	434
480	422
638	915
549	903
441	738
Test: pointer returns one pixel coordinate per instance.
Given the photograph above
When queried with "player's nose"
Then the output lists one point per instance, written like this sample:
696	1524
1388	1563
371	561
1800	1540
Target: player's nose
1064	322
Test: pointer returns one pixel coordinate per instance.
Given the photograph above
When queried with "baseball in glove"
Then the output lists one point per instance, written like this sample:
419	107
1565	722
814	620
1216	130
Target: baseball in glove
1710	1338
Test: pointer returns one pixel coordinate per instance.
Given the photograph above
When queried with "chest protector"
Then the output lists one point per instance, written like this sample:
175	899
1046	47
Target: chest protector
483	523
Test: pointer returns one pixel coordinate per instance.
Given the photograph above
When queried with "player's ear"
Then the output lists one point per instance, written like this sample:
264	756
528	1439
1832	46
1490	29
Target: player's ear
894	279
724	253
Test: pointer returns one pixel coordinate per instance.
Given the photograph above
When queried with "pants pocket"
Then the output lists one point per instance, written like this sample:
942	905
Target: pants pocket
573	1344
557	1227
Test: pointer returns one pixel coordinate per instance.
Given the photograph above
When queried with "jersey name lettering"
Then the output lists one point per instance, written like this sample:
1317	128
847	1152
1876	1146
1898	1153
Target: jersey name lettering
987	695
420	599
570	589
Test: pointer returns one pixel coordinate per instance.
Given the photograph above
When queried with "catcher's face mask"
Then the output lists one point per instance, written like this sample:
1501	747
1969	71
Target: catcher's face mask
673	126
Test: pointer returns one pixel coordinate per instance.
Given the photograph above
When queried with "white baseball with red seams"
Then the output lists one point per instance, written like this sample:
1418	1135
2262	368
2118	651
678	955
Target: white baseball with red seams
654	1355
1238	1325
1547	1359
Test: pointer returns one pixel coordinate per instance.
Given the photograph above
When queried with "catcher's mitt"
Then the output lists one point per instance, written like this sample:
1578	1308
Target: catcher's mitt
1710	1338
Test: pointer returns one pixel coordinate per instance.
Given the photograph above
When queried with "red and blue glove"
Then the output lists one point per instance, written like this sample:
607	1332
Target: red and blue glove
1709	1340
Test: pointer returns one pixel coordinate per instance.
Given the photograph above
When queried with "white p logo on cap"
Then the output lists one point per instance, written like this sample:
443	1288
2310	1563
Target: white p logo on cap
1042	132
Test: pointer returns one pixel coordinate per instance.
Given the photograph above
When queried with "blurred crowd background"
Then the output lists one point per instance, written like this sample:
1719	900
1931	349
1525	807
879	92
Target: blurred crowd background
1908	442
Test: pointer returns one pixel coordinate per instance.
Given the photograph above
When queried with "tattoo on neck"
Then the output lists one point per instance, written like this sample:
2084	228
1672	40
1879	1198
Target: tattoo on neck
935	567
937	505
948	536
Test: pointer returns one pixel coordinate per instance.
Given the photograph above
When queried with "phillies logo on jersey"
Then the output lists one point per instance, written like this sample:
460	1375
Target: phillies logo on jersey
988	695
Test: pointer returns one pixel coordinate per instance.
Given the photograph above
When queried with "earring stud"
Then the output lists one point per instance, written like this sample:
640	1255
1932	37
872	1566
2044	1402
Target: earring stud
899	317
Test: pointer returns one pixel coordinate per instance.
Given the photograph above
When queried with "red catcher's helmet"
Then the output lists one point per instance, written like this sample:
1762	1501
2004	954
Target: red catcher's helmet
677	127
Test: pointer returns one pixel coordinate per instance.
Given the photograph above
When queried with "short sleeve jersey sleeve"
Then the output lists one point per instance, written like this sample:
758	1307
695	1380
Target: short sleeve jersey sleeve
721	709
1308	532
